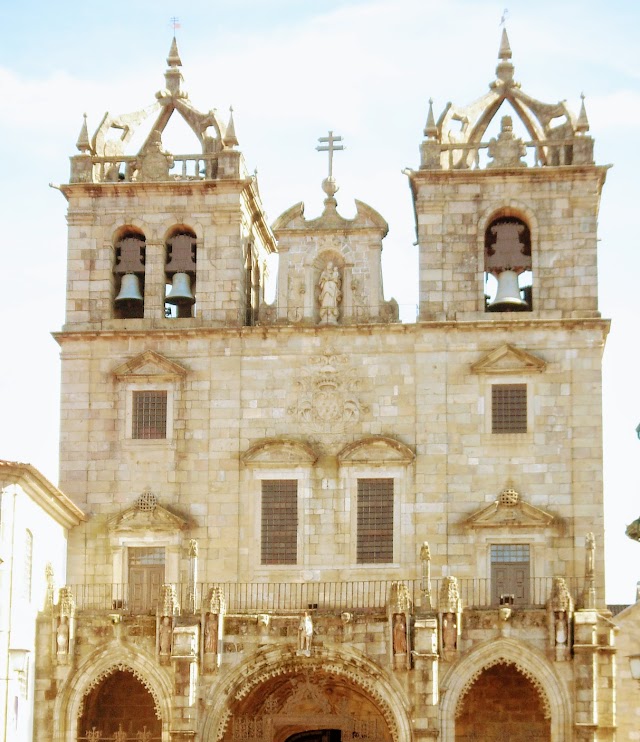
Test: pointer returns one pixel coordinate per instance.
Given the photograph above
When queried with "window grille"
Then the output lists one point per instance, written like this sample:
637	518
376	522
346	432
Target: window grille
509	408
375	521
509	553
279	521
149	415
144	555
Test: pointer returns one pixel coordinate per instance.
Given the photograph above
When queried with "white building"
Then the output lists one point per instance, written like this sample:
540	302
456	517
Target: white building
35	518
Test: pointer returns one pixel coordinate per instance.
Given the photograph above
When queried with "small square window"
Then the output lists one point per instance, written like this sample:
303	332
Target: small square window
149	419
509	408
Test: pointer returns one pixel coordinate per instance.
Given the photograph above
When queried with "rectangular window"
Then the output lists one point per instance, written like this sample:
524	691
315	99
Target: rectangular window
146	575
279	521
375	521
149	415
509	408
510	573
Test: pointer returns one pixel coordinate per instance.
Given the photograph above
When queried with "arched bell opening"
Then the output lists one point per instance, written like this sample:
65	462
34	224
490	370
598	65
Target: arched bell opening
129	274
503	703
180	273
119	705
507	266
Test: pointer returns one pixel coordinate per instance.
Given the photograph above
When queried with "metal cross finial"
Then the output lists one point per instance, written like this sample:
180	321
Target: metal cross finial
505	13
175	22
330	147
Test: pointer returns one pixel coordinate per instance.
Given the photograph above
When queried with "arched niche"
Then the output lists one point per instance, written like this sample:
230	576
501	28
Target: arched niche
462	675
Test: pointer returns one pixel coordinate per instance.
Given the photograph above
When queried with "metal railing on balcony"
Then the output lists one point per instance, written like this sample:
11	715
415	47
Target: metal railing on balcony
266	597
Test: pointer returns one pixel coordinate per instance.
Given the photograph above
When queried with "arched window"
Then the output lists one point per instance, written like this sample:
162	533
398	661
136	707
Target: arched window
129	274
180	273
507	266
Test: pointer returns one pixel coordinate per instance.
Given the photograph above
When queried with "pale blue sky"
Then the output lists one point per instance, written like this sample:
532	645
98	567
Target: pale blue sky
293	70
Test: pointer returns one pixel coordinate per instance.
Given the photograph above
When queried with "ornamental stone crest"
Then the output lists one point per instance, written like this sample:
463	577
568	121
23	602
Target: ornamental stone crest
327	393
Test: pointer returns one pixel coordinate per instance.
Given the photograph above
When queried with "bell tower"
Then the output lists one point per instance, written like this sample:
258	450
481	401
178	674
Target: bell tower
507	223
156	236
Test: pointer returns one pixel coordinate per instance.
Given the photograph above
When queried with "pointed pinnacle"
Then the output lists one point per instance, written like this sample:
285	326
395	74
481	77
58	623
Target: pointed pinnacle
505	50
430	130
83	144
230	139
582	125
173	60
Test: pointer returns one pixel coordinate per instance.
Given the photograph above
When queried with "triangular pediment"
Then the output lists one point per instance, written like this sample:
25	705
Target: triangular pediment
519	515
507	359
155	520
150	365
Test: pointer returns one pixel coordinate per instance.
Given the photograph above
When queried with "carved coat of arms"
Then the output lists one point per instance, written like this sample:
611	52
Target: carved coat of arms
327	393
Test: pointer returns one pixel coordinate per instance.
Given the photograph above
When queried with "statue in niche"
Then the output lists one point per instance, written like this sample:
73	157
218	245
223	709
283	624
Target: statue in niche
211	633
62	636
165	635
330	294
449	632
305	634
562	628
399	634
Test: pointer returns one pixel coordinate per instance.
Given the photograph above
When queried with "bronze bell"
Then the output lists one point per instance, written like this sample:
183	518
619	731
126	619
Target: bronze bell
508	297
129	293
180	290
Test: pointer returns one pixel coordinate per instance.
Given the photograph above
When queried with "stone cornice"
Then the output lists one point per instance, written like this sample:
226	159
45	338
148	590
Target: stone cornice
88	332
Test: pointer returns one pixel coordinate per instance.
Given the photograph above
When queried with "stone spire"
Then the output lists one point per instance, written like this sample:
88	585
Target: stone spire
173	76
230	139
582	125
504	70
83	144
430	130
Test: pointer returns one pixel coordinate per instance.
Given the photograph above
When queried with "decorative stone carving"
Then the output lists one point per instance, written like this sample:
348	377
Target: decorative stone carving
65	625
305	634
165	632
399	634
154	163
330	294
49	577
214	609
450	611
326	393
589	592
506	150
185	642
425	588
400	598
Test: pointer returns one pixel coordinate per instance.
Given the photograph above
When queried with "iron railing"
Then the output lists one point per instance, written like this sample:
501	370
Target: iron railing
266	597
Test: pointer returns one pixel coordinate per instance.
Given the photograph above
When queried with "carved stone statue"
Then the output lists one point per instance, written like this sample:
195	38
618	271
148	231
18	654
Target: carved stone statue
399	634
330	294
449	632
211	633
62	635
305	634
165	635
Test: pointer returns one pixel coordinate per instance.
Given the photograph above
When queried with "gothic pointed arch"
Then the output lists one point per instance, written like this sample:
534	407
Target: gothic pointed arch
268	683
111	657
554	695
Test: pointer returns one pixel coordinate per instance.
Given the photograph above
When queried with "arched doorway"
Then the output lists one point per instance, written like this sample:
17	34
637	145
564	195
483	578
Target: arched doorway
307	706
502	704
119	704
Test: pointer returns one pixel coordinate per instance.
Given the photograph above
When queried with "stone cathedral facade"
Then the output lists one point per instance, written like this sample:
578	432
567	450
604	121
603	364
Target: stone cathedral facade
307	521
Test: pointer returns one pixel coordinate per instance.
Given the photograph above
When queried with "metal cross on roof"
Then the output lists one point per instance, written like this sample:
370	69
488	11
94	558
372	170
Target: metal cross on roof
330	147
